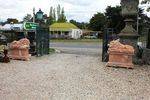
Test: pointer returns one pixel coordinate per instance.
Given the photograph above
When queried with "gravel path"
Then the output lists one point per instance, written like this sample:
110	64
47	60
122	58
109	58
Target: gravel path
72	77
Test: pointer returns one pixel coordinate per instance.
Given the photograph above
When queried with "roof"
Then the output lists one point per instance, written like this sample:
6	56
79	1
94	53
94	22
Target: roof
62	27
29	26
12	26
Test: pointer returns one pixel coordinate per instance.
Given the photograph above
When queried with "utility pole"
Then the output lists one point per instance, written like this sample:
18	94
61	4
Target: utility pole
33	15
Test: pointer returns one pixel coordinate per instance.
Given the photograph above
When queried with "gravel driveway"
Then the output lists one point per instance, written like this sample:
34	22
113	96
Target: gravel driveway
64	76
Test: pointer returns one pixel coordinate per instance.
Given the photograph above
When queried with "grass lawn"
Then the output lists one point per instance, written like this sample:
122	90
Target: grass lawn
78	40
51	50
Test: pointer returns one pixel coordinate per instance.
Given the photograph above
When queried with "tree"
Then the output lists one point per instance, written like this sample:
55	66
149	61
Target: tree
146	2
54	14
81	25
114	18
27	18
57	16
50	21
52	17
62	17
58	12
61	14
11	20
97	22
51	12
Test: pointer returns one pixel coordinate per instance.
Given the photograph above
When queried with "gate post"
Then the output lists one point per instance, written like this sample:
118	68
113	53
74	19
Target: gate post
42	41
105	46
107	37
129	35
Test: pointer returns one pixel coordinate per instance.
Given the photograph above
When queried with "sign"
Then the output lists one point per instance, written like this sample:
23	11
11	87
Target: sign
30	26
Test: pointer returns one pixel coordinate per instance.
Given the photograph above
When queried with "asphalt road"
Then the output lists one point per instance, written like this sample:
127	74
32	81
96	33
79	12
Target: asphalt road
76	45
93	49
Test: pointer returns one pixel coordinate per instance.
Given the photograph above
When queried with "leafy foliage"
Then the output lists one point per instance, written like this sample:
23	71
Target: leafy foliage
61	14
97	22
56	15
114	18
146	2
11	20
81	25
27	18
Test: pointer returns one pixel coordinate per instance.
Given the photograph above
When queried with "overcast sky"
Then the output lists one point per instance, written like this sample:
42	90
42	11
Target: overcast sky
80	10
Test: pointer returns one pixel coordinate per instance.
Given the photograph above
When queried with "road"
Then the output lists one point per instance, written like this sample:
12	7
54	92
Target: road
93	49
76	45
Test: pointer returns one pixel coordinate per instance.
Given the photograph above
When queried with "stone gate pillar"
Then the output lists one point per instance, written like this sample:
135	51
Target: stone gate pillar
129	11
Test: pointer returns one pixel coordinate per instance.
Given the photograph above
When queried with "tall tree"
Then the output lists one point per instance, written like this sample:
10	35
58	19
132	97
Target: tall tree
27	18
62	17
51	12
51	19
97	22
54	14
58	12
61	14
148	4
114	18
57	15
81	25
12	20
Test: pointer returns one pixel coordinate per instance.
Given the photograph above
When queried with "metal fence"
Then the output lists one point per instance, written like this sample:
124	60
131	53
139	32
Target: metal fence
108	36
42	41
144	38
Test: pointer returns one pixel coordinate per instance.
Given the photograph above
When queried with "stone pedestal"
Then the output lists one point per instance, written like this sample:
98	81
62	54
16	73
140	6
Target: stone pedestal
19	50
120	55
146	56
20	54
129	35
120	59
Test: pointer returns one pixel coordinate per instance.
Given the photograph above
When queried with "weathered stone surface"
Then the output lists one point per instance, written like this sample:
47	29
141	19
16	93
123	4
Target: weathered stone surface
120	55
146	56
19	50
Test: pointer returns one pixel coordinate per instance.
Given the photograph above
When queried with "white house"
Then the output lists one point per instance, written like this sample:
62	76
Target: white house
65	30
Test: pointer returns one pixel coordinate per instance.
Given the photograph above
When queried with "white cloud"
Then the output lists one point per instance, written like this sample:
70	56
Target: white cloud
80	10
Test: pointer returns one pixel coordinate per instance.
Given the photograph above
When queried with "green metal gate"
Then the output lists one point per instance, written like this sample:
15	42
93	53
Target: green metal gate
108	36
42	41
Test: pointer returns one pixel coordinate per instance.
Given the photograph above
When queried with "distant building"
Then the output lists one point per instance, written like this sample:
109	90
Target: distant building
19	31
92	34
18	27
65	31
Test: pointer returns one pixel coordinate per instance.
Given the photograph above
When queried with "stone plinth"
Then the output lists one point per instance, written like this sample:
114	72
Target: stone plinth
146	56
120	55
19	50
20	54
129	35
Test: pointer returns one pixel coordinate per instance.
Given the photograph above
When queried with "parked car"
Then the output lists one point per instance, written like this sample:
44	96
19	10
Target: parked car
90	37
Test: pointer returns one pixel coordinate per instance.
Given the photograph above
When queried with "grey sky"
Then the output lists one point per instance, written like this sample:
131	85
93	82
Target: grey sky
80	10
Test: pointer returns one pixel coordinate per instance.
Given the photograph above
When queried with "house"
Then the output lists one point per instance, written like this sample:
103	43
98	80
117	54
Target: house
65	31
12	27
92	34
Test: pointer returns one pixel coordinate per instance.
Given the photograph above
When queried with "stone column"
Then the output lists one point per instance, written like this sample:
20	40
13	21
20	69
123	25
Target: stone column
129	11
